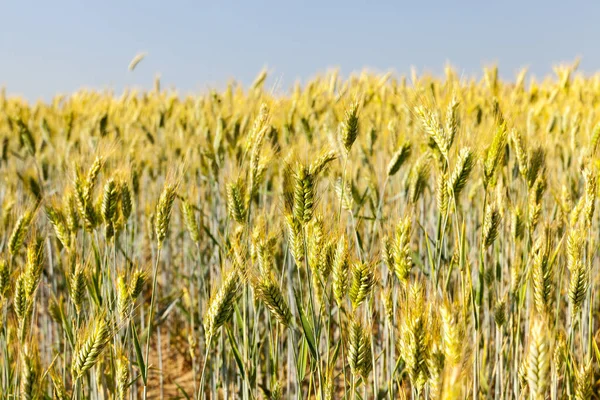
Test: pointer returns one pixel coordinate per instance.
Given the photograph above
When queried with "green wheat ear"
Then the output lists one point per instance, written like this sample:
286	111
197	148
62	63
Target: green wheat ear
517	224
490	226
500	313
71	213
270	293
398	158
4	278
359	350
84	203
19	232
349	128
236	202
109	201
363	280
78	287
543	273
136	283
126	200
34	265
462	170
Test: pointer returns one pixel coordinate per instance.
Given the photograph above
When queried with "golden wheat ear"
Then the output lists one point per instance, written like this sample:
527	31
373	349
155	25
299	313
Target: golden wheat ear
191	223
417	178
163	212
93	340
30	374
538	361
590	195
494	154
585	385
451	125
433	127
401	250
452	336
58	386
341	269
122	375
220	307
58	221
442	197
123	298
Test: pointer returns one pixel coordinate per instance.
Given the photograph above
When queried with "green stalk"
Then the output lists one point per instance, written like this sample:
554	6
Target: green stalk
316	323
343	344
343	187
200	395
150	315
378	216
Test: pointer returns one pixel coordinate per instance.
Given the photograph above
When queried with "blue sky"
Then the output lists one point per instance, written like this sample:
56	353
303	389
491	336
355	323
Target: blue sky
51	47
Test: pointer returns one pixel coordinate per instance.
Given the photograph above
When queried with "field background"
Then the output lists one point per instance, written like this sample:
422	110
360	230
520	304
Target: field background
369	237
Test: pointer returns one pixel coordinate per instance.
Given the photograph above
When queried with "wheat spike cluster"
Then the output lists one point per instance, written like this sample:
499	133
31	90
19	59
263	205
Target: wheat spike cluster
368	237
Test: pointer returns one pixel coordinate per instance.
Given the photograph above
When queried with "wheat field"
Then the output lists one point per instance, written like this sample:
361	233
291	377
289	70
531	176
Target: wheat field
375	237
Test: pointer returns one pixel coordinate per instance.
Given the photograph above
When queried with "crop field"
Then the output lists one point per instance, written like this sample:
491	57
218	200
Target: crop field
374	237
